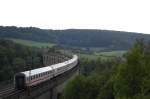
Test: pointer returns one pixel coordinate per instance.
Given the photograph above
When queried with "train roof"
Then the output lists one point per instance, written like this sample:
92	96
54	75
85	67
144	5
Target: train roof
37	71
66	62
48	68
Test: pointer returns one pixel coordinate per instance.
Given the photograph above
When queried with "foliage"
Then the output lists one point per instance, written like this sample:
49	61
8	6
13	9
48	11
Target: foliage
14	58
132	78
75	37
93	82
84	87
126	78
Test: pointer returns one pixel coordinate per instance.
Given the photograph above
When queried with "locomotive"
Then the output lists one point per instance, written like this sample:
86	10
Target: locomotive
33	77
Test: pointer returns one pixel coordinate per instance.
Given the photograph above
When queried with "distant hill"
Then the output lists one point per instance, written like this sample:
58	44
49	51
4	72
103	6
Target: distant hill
75	37
32	43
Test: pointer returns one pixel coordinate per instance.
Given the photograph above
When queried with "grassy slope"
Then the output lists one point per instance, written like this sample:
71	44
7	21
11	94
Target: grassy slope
117	53
103	55
32	43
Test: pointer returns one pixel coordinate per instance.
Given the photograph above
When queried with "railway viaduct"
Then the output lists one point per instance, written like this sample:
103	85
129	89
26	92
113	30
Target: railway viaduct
51	89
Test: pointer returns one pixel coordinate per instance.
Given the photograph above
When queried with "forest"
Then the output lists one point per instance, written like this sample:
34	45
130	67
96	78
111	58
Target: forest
120	78
106	39
15	58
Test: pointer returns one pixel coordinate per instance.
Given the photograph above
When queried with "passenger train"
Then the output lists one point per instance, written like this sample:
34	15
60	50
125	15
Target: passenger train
33	77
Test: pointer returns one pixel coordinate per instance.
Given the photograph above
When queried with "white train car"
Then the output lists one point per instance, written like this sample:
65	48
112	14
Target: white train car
36	76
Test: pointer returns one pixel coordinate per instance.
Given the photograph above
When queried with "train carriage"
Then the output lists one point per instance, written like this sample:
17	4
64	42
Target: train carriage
36	76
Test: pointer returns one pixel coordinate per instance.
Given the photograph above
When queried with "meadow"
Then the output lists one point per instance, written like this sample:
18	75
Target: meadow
33	43
104	55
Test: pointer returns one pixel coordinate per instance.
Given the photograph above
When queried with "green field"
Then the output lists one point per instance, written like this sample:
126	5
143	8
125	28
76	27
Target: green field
111	53
89	56
97	54
32	43
103	55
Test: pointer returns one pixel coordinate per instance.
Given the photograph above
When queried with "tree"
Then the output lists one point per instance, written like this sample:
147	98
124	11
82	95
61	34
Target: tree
132	73
18	64
13	58
74	88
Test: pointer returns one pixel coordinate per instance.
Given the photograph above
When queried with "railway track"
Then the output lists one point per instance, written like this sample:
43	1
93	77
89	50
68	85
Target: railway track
6	91
9	93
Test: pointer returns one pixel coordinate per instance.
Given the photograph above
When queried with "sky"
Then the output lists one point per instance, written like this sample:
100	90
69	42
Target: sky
121	15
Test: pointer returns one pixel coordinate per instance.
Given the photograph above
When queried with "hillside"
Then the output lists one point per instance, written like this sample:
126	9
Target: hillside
75	37
32	43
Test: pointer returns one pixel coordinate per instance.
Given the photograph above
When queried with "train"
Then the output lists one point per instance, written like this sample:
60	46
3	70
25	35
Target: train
23	80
